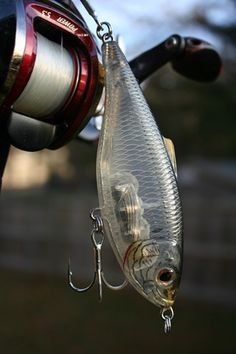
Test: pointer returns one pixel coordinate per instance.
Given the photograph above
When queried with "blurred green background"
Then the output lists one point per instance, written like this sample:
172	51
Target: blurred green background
44	218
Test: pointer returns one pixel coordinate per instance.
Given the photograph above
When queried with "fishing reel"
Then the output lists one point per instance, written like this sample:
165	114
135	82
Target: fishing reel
51	80
50	77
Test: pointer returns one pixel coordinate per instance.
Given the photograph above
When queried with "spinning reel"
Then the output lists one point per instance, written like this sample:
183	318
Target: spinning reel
51	80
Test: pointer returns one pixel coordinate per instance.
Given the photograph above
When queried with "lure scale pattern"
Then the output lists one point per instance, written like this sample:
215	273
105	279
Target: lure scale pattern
137	187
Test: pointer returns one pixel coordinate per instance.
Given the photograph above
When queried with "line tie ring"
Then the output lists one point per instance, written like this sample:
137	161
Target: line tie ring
104	32
167	314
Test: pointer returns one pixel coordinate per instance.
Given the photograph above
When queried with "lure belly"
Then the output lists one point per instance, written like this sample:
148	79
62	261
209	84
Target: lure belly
137	187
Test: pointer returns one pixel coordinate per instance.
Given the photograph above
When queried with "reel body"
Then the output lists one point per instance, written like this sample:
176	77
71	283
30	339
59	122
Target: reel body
49	73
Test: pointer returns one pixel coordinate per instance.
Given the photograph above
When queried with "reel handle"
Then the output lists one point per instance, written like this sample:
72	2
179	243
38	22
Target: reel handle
190	57
153	59
198	61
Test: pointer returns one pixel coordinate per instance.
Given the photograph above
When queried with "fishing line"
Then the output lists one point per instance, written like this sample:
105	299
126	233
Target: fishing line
51	81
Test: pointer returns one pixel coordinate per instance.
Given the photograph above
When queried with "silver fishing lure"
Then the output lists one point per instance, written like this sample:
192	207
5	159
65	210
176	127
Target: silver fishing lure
137	188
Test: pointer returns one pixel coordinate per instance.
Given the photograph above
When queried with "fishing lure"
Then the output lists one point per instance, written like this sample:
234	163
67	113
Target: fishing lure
137	188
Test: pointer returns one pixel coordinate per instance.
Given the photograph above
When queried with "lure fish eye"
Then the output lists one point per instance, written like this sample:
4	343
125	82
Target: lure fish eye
165	276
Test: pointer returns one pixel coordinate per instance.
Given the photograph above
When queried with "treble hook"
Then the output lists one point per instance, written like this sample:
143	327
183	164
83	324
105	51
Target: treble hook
98	272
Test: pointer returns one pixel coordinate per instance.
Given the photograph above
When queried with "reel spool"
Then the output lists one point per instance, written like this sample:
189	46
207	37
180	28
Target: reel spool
49	73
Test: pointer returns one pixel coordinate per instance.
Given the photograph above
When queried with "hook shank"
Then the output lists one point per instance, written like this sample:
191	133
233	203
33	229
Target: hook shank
97	231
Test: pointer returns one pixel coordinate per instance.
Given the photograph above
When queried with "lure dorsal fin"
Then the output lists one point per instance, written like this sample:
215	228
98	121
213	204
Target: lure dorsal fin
171	152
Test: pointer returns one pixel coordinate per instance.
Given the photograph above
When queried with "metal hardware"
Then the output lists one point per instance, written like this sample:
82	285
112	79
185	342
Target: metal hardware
167	314
97	237
106	36
102	34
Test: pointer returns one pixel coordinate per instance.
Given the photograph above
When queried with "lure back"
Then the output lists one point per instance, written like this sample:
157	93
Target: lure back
137	187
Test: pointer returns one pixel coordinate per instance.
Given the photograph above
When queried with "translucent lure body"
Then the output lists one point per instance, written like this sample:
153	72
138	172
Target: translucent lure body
137	188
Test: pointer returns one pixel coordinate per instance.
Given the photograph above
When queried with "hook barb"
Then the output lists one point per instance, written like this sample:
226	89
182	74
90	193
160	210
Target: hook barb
75	288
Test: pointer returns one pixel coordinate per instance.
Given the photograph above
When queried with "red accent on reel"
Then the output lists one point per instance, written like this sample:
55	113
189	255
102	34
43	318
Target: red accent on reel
51	22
